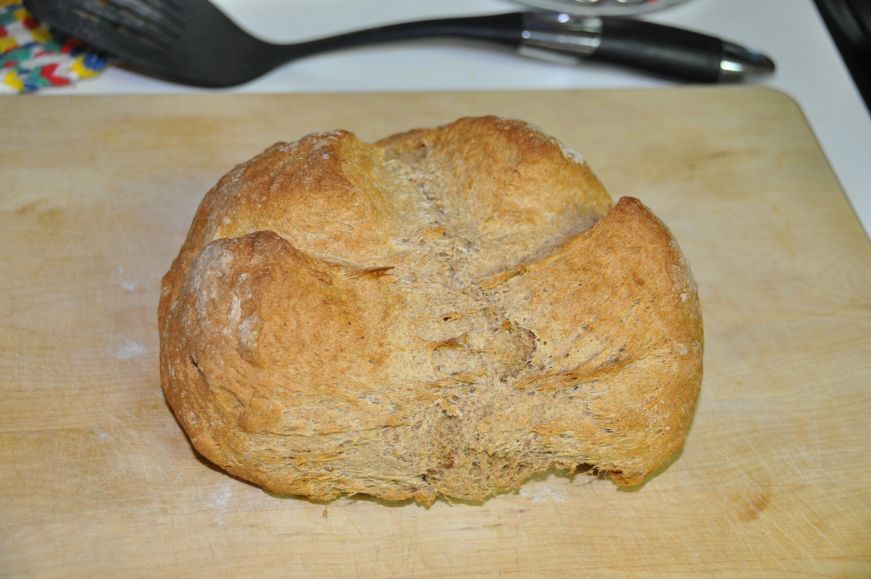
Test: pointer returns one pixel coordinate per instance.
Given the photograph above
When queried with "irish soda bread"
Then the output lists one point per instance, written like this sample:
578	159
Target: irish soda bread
442	313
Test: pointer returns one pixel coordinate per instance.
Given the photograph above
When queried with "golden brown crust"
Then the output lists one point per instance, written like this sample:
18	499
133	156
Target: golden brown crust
443	313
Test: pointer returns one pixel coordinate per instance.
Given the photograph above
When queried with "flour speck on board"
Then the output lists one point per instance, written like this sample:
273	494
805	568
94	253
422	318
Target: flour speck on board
129	349
543	493
221	497
126	283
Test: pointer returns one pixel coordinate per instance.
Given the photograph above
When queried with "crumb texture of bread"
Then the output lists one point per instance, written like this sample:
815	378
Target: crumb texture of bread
443	313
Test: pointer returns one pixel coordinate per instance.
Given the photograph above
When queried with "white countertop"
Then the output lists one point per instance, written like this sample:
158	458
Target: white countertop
810	68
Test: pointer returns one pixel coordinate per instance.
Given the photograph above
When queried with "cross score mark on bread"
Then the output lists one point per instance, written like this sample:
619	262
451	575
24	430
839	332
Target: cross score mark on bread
443	313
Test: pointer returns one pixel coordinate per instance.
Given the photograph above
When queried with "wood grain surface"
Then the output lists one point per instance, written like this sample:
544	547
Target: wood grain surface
97	479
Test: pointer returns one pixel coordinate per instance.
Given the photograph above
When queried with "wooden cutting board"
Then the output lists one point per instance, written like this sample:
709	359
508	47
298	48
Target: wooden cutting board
97	479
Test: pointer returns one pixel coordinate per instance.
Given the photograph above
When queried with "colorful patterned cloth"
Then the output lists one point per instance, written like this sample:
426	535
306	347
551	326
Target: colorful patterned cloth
32	57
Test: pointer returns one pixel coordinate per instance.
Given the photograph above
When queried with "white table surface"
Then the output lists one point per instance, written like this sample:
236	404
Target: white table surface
810	68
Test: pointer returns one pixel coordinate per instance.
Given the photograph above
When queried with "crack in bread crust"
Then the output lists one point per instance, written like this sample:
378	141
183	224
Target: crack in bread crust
443	313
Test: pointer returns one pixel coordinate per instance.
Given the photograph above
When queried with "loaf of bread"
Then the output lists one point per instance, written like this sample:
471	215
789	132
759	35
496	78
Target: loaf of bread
440	314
